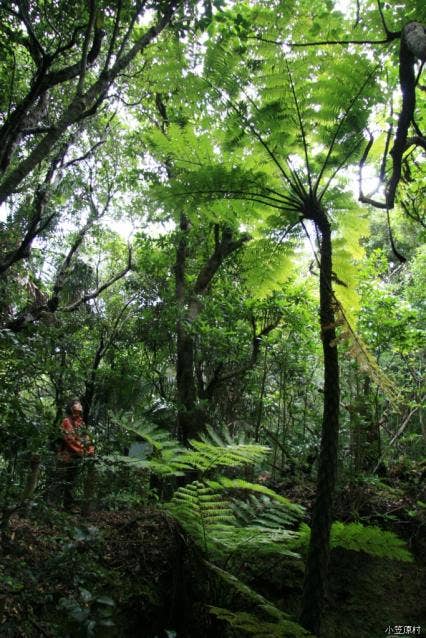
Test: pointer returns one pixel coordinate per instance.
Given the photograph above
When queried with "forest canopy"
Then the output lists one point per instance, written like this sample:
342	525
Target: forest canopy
212	223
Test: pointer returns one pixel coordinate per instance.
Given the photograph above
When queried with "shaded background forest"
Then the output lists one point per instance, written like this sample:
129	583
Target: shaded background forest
213	221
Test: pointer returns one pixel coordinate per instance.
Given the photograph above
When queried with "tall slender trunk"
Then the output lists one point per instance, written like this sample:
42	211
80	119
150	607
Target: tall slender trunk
89	393
259	414
185	375
319	547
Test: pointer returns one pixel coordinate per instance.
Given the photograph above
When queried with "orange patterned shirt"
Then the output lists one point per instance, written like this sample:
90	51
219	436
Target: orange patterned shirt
74	443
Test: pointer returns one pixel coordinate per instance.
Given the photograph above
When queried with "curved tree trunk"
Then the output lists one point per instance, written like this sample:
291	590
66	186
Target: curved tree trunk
319	547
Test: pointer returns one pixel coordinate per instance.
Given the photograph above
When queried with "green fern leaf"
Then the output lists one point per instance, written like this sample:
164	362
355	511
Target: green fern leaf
368	539
240	484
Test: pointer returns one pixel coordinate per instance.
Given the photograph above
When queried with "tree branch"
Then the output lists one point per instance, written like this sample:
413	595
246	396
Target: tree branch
226	246
36	224
218	380
34	47
81	104
317	43
60	279
83	61
100	289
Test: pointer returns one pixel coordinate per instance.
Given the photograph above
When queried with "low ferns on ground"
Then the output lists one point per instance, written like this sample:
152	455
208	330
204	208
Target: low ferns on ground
232	520
254	626
231	515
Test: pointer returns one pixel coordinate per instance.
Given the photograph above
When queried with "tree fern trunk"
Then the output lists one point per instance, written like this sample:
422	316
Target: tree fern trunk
319	548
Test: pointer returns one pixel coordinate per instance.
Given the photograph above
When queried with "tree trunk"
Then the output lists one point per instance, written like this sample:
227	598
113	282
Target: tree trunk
185	374
187	421
90	386
259	414
319	547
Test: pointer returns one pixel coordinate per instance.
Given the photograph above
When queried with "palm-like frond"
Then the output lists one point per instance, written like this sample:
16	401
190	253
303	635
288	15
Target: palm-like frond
269	509
221	450
167	456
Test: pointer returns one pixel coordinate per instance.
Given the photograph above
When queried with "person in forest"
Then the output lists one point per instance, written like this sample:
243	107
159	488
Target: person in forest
75	445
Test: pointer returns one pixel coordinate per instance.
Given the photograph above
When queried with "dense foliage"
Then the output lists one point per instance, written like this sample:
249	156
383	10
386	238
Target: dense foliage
212	223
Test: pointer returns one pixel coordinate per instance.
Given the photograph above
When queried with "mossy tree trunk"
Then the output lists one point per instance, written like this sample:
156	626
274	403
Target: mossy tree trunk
319	547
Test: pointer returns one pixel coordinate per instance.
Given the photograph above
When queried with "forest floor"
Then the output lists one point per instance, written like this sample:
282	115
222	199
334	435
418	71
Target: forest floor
133	573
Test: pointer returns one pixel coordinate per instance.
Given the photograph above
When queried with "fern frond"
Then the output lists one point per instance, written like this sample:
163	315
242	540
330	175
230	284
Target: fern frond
371	540
256	540
202	512
277	263
159	466
207	456
220	450
365	359
167	458
293	510
282	624
368	539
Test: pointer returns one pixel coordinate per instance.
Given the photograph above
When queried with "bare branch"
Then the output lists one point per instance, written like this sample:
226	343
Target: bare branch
114	34
416	140
382	17
358	14
86	155
63	270
100	289
361	197
318	43
35	48
395	251
413	215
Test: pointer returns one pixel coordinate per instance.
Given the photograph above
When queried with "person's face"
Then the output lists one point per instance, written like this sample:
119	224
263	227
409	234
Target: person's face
77	409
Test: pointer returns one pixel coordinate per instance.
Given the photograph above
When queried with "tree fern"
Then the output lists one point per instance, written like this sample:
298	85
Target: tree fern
270	508
277	266
220	528
367	362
